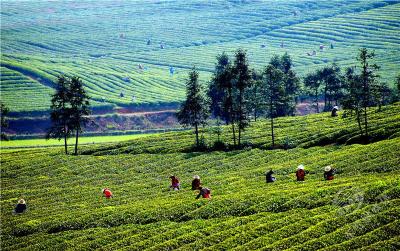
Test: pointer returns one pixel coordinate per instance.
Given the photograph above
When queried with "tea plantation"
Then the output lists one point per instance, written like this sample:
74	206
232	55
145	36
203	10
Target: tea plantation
359	209
123	50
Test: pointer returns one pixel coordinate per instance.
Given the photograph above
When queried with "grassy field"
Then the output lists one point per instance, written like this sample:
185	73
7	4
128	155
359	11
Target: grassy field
27	143
105	43
359	209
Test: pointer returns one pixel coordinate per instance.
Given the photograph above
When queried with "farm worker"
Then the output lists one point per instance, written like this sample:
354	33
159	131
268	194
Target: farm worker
196	182
334	111
204	192
329	173
148	42
174	183
300	173
269	178
20	207
107	193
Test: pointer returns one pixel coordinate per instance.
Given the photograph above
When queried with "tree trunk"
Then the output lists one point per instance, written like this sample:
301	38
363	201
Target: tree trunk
234	134
65	141
272	132
239	136
272	125
197	135
325	97
76	142
359	121
316	99
366	124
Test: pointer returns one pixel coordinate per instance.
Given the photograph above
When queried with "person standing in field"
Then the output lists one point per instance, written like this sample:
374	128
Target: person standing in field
20	207
204	192
329	173
196	182
175	183
269	178
300	173
107	193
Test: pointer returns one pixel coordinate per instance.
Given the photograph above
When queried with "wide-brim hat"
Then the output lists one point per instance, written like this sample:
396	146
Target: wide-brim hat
21	201
196	177
328	168
300	167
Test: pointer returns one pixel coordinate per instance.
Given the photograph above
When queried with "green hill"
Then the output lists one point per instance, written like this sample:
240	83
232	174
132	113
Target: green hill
359	209
106	43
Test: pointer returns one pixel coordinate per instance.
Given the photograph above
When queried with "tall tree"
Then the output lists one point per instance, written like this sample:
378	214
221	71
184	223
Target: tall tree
332	80
216	90
368	77
80	108
313	83
253	95
287	105
4	123
193	111
274	92
351	97
60	114
243	80
222	81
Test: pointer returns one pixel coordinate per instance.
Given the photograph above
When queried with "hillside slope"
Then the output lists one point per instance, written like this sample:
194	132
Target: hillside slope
359	209
106	44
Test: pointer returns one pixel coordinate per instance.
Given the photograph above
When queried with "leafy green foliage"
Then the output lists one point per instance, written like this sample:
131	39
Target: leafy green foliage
35	52
359	208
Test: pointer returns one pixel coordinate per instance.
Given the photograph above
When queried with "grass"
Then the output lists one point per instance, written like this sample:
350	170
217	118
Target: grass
358	209
28	143
40	42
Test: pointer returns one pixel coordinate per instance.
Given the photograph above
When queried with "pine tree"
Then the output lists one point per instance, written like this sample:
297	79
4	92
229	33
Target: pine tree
313	83
60	114
368	78
243	80
274	92
80	108
193	111
222	82
4	123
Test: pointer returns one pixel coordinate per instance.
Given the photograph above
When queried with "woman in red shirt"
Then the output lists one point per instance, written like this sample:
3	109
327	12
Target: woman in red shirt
107	193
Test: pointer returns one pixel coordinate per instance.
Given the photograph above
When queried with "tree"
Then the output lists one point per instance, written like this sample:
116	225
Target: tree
274	91
243	80
380	94
313	83
216	90
331	78
222	83
193	111
80	108
60	114
253	95
4	123
368	77
351	98
291	82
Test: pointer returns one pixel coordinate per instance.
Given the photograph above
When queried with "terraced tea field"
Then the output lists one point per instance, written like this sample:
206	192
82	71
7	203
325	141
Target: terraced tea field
106	43
359	209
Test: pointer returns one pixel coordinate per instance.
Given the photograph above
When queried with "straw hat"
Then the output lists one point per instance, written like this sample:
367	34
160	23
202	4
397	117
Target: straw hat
196	177
300	167
21	201
328	168
336	107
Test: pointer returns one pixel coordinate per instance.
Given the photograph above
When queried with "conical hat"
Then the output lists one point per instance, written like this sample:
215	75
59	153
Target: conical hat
328	168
